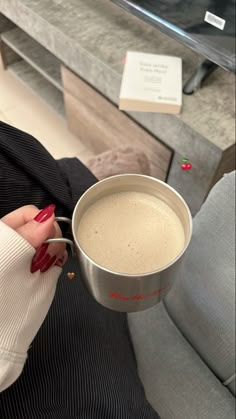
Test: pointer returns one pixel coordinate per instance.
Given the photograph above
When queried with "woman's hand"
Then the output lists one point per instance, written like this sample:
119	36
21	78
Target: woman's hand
36	226
25	297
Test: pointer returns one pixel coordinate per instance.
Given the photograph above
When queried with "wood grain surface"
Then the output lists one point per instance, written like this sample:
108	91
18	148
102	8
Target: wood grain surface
101	126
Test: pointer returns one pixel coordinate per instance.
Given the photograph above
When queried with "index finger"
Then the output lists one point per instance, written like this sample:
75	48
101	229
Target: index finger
20	216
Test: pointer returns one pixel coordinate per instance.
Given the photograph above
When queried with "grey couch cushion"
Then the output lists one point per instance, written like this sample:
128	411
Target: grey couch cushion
202	301
177	382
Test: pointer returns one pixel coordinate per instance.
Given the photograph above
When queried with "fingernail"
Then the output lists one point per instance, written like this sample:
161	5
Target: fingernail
45	214
48	264
61	261
40	253
35	266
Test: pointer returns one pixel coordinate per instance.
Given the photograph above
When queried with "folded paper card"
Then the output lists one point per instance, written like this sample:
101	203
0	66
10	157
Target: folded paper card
151	83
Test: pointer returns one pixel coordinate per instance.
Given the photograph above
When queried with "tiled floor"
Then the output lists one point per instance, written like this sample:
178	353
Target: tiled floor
20	107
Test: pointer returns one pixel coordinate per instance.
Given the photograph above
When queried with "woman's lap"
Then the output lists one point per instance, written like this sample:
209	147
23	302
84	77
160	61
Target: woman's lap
81	363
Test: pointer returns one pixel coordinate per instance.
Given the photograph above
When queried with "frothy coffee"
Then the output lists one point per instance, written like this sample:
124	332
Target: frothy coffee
131	232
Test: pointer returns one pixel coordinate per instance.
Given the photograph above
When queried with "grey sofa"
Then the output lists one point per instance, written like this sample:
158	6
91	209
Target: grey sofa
185	347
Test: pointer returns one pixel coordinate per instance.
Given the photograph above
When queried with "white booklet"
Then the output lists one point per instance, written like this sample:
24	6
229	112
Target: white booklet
151	83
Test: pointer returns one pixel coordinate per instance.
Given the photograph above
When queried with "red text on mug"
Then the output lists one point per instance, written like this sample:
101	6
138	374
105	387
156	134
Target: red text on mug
119	296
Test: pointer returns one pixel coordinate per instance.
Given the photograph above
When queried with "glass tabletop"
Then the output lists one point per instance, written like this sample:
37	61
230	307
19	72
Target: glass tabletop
206	26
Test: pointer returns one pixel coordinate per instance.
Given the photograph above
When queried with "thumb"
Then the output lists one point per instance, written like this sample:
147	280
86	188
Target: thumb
39	229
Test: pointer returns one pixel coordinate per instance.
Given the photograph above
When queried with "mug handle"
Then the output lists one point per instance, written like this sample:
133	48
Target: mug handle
62	239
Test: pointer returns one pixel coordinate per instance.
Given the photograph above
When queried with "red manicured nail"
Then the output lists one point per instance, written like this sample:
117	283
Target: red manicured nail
35	266
48	264
45	214
61	261
40	253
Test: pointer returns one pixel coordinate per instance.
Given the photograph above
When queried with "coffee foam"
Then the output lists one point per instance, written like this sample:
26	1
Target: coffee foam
131	232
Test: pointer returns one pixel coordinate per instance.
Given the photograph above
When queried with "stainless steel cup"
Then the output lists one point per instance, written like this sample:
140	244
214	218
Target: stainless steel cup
125	292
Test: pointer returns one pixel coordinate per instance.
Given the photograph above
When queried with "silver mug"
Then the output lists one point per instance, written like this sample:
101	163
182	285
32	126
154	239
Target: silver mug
126	292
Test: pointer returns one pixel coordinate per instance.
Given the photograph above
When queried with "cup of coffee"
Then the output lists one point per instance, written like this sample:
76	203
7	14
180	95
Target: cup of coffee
128	231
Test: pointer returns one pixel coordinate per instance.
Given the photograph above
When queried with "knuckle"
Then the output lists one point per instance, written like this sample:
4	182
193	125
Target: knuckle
31	207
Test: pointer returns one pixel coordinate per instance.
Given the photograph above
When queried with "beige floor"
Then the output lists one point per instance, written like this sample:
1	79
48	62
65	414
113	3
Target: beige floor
20	107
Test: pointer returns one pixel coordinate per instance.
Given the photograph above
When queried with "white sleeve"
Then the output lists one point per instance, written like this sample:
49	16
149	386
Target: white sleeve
25	299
